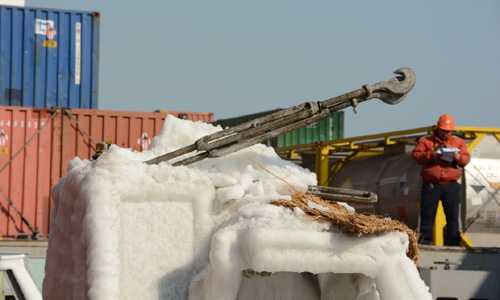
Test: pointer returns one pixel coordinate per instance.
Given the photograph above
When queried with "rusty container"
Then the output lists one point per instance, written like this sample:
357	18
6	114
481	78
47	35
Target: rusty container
36	145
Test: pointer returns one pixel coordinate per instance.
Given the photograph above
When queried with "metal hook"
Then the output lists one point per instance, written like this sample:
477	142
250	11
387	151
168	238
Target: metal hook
394	90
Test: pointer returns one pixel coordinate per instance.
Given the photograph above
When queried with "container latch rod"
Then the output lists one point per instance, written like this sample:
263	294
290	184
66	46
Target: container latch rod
343	195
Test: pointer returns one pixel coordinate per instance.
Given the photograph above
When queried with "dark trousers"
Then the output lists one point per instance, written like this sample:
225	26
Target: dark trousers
450	195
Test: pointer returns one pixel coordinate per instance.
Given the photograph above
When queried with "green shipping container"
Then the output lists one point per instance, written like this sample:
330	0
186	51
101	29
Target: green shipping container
331	128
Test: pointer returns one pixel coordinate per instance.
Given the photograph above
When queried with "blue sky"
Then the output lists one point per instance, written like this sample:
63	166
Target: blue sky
240	57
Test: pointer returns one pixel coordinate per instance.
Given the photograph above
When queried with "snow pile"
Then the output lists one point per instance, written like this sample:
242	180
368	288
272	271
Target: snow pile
122	229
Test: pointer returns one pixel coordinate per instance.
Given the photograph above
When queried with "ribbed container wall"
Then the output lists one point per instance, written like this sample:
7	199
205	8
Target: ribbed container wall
231	122
242	119
49	57
204	117
26	181
36	145
327	129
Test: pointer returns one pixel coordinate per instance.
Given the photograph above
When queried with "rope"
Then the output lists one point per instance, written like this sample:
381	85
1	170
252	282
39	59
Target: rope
360	224
68	112
11	203
29	141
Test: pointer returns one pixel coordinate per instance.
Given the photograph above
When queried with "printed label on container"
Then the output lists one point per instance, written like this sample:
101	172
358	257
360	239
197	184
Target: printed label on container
4	150
3	138
51	44
485	172
144	141
78	52
45	27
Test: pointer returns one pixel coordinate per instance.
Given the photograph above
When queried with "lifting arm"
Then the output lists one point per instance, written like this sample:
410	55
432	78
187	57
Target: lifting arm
232	139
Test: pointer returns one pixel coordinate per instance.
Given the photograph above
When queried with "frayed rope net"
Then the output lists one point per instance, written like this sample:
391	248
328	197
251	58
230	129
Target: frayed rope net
360	224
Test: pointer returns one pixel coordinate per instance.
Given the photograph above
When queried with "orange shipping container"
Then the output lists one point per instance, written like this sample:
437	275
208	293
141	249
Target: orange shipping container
37	144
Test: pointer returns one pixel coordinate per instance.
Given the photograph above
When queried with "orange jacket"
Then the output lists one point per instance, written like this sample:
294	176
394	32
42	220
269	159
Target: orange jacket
440	171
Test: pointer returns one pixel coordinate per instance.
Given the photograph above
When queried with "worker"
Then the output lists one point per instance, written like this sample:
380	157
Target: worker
442	157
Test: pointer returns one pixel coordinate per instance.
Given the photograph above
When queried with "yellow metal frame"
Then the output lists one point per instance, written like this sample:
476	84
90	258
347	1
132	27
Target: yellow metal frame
438	230
369	145
358	146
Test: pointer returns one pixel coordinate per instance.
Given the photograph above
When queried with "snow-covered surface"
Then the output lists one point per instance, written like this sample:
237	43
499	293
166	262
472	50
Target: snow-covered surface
122	229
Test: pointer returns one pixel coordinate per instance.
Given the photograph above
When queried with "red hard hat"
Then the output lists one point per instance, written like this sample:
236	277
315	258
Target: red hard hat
446	122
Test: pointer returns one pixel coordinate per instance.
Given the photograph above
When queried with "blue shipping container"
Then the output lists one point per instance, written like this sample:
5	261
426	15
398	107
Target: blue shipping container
48	57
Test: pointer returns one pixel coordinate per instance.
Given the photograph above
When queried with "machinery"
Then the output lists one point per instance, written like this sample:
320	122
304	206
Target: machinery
232	139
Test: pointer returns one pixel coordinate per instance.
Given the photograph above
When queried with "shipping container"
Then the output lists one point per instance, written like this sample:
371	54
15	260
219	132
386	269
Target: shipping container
36	145
48	57
189	115
331	128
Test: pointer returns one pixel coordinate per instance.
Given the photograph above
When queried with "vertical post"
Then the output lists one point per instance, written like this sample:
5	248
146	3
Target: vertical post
439	224
55	151
438	230
322	164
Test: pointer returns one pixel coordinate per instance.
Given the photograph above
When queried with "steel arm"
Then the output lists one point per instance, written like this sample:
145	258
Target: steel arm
221	143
